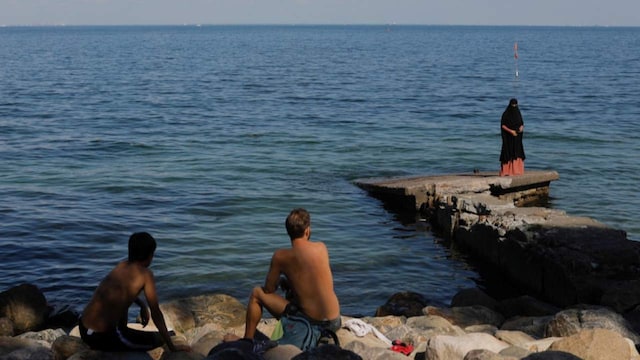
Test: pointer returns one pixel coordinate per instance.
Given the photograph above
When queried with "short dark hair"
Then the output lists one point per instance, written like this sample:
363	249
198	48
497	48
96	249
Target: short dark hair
297	222
141	246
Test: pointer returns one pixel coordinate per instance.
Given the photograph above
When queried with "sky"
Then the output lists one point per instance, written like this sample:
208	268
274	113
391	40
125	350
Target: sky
301	12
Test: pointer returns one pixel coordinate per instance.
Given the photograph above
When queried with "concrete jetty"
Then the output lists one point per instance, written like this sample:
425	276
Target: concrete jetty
545	252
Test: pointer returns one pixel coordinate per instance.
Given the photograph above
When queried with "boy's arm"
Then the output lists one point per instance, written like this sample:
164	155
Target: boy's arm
144	311
273	275
158	319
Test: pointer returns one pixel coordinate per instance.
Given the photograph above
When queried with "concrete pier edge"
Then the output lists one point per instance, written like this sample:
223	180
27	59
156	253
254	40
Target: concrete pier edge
549	254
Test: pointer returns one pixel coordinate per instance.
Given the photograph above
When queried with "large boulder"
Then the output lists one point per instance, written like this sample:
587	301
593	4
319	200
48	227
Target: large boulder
572	321
26	307
596	344
222	310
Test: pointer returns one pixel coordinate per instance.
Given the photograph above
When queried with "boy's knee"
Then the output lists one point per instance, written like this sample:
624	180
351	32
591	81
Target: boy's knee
257	292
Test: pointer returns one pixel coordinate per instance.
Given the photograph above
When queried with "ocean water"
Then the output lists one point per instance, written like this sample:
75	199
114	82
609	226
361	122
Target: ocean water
208	136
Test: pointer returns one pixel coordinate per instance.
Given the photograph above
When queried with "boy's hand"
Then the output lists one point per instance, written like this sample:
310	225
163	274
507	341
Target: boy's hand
144	315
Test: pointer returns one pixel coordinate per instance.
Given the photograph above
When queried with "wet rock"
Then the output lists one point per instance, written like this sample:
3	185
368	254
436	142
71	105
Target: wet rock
403	304
26	307
473	296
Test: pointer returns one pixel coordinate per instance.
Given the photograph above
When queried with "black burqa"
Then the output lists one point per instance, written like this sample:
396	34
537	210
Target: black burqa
511	145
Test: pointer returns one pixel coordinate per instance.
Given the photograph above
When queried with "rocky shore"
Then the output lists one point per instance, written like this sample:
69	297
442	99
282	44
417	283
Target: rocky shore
474	327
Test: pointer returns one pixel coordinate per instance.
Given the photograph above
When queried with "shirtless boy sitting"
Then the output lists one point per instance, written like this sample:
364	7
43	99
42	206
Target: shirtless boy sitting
103	324
306	268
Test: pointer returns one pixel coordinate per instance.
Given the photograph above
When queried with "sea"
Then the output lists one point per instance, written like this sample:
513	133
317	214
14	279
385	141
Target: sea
207	136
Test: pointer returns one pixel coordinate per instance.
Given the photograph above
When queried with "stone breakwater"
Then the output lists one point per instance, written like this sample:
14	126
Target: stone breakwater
474	327
543	252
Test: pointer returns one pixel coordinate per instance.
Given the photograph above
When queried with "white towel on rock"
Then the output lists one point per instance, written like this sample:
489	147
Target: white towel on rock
361	328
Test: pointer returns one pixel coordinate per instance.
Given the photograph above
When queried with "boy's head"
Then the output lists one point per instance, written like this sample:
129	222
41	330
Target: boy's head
297	222
141	246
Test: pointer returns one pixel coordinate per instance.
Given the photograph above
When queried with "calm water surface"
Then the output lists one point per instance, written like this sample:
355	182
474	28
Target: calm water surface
207	136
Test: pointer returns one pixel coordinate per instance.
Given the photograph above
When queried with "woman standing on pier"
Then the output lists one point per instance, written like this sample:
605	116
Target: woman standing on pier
512	154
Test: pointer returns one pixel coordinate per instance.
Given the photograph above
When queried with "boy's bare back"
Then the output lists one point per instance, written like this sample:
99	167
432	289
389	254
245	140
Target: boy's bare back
306	266
117	291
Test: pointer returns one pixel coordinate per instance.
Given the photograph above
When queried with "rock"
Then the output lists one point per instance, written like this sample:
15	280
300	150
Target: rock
533	326
551	355
541	344
65	346
282	352
421	328
41	353
515	351
6	327
204	338
403	304
327	352
63	317
48	335
181	355
373	353
595	344
571	321
219	309
413	336
25	306
206	342
429	322
467	315
487	329
99	355
481	354
526	306
444	347
473	296
383	323
517	338
633	318
369	340
16	348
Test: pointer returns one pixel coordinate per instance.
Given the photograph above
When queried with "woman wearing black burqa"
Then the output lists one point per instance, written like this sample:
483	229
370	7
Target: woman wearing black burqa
512	154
